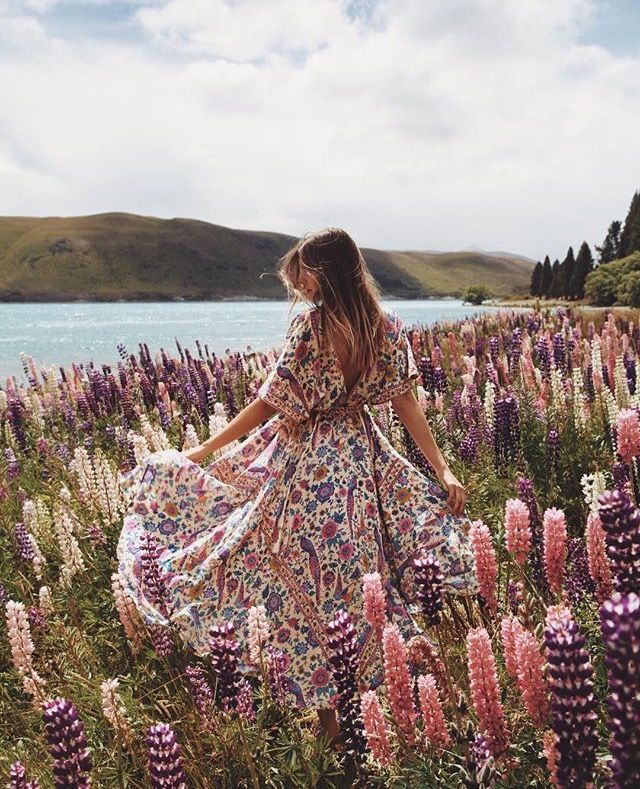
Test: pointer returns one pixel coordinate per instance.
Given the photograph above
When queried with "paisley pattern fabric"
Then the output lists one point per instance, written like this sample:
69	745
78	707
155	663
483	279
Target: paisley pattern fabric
294	515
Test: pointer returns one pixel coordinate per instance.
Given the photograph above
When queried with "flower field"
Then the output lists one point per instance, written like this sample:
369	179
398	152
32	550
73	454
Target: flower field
534	682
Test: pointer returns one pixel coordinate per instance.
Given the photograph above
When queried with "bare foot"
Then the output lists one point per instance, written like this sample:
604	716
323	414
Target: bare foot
330	727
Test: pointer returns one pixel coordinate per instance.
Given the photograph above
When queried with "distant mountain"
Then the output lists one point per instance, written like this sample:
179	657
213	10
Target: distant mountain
120	256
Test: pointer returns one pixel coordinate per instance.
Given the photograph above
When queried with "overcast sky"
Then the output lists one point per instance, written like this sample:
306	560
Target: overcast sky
414	124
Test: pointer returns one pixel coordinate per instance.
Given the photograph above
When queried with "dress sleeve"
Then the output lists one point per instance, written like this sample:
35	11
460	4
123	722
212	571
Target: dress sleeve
396	367
290	385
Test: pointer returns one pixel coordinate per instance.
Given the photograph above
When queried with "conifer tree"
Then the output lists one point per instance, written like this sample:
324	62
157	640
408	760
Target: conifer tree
554	285
630	236
568	267
610	249
536	280
546	276
583	267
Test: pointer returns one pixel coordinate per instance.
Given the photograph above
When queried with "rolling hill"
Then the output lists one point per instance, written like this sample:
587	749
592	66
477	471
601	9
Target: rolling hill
121	256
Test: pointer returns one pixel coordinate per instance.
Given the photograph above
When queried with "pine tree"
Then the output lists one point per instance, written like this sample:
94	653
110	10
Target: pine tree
610	249
584	266
554	284
546	276
630	236
536	280
568	267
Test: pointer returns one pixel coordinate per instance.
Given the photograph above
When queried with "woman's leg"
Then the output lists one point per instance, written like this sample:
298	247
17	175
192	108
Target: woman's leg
328	723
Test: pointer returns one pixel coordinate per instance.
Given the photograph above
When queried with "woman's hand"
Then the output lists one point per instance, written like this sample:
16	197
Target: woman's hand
197	454
457	494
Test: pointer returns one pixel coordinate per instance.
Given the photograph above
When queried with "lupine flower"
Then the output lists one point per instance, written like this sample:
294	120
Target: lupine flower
599	567
423	656
223	656
510	627
485	691
479	764
112	707
375	604
573	706
517	530
429	582
128	613
621	523
486	565
375	728
277	673
620	619
435	724
245	706
156	592
398	682
555	547
343	664
166	769
258	632
551	755
506	434
22	647
67	743
515	596
18	778
527	494
531	678
202	695
628	434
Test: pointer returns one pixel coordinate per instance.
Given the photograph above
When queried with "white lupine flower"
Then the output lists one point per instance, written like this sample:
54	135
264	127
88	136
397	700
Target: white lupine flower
621	383
72	559
593	485
3	400
113	708
258	632
45	601
190	437
31	520
558	403
22	648
83	469
610	407
140	447
217	422
155	436
129	615
489	401
579	402
423	398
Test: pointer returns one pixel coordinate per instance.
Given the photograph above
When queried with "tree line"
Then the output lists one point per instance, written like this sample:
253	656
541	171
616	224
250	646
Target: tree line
579	277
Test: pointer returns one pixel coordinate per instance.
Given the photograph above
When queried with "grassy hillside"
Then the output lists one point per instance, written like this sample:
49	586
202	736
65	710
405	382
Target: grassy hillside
126	256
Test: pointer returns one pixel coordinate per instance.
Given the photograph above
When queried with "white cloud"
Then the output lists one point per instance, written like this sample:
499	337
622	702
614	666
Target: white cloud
433	125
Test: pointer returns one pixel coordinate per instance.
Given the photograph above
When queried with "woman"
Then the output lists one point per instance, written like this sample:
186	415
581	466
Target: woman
294	515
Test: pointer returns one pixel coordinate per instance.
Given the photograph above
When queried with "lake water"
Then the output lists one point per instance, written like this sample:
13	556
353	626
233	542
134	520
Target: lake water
58	334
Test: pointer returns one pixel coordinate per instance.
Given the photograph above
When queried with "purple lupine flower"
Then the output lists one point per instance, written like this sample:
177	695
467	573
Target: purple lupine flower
620	619
559	352
494	348
579	583
203	696
37	617
506	437
17	417
573	706
480	767
429	581
415	454
245	705
343	664
166	770
515	596
426	371
223	657
468	449
18	778
4	595
526	493
156	592
277	673
67	743
621	523
620	474
440	380
553	450
13	467
96	534
25	545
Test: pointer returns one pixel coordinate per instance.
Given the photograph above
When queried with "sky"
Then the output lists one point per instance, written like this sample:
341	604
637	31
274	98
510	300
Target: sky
414	124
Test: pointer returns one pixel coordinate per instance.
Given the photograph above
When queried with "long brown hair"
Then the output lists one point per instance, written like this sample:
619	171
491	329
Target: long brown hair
349	295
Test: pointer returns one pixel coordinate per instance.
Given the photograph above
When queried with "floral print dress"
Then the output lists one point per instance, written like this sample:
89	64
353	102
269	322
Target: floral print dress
293	517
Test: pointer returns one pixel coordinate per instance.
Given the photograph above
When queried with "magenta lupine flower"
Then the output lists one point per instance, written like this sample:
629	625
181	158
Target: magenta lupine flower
573	706
531	677
375	728
621	523
343	664
398	681
435	724
486	565
555	547
223	656
628	434
429	582
18	778
203	696
25	545
375	605
485	691
67	743
13	467
277	673
166	770
599	567
245	705
517	530
620	619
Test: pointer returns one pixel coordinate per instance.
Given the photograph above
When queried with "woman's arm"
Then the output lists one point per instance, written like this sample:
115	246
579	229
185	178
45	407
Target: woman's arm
250	417
410	414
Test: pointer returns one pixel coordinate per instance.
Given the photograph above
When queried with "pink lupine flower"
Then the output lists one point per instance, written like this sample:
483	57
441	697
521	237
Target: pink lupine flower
599	567
517	529
398	681
486	565
531	677
112	707
435	724
555	547
128	613
375	727
258	632
628	434
551	755
485	692
22	648
374	602
510	627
